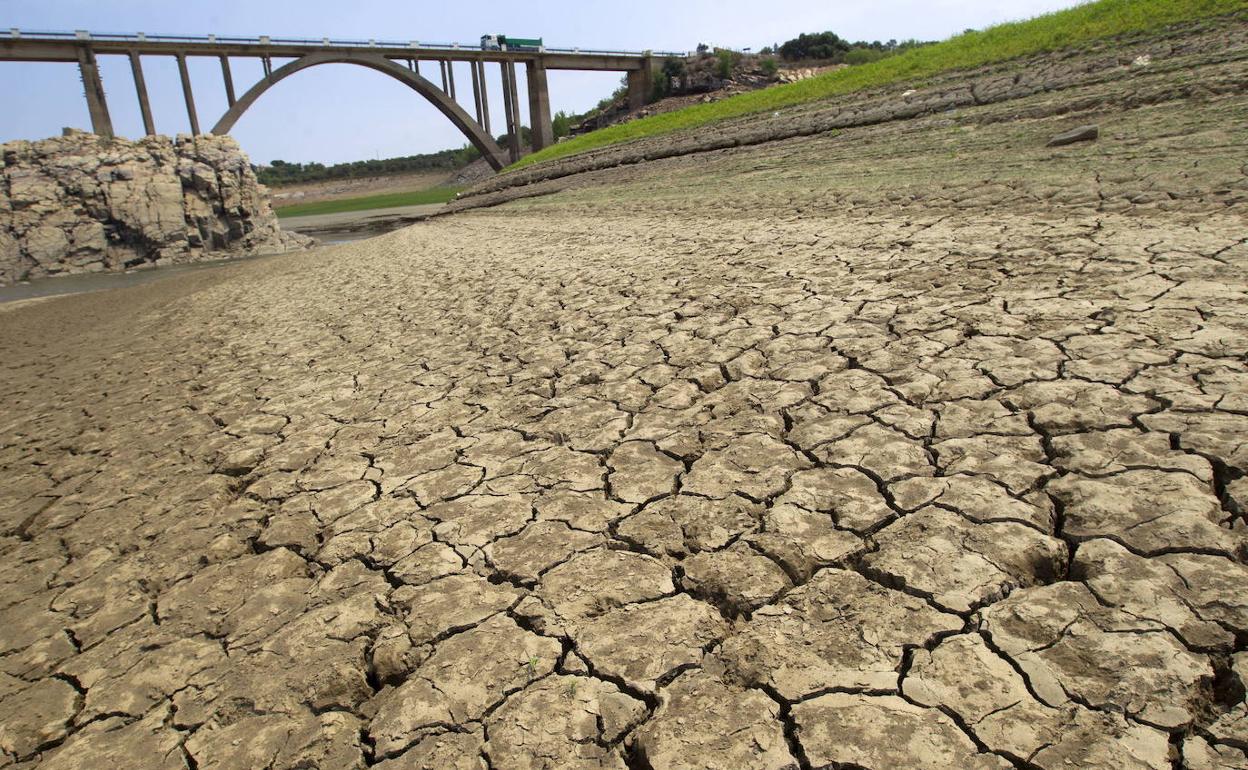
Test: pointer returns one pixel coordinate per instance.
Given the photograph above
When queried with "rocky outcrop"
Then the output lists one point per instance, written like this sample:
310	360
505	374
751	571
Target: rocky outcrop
80	203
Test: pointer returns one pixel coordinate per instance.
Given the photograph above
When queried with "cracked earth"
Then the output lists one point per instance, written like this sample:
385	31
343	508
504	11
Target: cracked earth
913	446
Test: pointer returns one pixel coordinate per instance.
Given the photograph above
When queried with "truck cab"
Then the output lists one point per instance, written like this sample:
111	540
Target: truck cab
491	43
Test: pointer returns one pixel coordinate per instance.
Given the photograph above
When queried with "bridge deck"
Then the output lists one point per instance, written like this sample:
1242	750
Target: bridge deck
22	45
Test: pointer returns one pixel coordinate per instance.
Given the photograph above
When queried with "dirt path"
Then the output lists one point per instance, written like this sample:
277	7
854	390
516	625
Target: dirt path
918	445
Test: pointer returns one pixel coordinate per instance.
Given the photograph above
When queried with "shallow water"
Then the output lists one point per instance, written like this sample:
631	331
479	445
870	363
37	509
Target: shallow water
83	282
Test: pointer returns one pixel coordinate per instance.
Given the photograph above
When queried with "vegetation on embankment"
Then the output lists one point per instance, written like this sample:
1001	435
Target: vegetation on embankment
280	172
387	201
1061	29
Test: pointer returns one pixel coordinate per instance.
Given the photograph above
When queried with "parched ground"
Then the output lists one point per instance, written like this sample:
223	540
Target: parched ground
911	446
335	189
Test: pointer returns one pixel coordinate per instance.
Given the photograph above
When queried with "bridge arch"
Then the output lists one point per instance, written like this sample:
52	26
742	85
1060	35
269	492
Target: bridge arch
485	143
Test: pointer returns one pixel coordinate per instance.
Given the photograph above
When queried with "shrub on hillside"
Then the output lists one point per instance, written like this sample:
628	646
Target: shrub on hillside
864	55
820	45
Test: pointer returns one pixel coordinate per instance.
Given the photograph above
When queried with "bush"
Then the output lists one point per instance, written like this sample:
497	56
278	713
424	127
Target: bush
864	56
769	66
727	61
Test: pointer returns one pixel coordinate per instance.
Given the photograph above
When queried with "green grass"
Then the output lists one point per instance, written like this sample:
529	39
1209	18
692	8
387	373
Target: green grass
386	201
1061	29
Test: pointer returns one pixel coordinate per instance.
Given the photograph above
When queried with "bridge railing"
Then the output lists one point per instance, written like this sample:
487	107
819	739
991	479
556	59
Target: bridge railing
140	37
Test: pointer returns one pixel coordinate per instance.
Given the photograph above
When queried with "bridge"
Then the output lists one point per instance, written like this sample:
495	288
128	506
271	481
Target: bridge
400	60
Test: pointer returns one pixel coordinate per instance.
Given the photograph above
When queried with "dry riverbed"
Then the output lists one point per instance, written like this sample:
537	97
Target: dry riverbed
914	446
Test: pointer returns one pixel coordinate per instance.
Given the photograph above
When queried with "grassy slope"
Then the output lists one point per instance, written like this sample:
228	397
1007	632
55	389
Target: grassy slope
1101	19
386	201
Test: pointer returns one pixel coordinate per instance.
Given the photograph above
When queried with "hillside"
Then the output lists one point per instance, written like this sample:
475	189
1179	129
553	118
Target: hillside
1079	26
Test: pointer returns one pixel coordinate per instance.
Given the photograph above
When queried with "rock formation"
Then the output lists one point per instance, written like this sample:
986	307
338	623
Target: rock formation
81	203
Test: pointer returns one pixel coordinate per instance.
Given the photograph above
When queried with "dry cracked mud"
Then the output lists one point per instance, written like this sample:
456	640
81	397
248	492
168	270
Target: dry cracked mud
918	445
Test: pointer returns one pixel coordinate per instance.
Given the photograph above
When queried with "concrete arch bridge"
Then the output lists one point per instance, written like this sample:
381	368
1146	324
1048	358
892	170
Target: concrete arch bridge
402	61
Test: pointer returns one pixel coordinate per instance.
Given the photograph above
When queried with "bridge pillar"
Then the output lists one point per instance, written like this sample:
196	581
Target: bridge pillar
229	80
140	85
641	84
476	91
442	67
516	144
512	107
188	95
93	89
541	131
485	97
450	77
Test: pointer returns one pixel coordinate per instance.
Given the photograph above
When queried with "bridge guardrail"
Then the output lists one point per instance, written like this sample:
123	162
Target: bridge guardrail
24	34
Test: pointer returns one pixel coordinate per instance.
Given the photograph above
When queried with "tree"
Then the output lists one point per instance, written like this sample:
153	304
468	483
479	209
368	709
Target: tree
673	67
821	45
561	124
703	48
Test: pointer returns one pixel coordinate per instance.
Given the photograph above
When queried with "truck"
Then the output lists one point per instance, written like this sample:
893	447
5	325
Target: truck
504	43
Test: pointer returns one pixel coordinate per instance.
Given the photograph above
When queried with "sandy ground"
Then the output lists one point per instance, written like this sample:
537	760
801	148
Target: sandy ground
311	192
918	445
345	224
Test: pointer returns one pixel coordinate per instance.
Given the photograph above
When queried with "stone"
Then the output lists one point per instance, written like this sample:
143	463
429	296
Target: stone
1079	134
54	209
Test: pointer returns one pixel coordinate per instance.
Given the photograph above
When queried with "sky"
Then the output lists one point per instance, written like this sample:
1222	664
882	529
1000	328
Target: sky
342	112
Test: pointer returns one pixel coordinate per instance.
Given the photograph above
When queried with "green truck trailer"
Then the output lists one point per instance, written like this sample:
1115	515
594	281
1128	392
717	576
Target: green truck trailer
504	43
